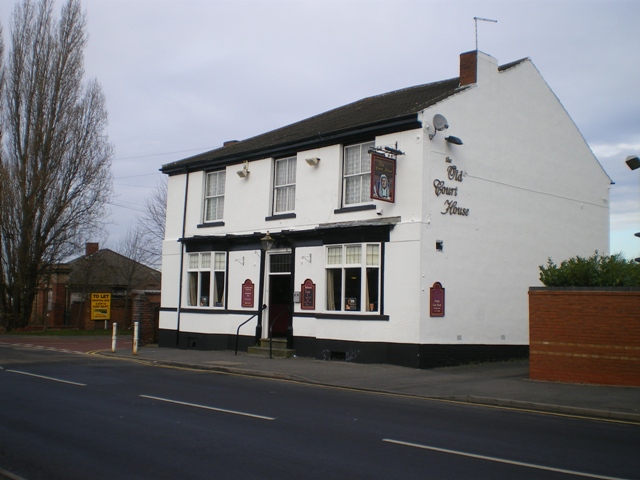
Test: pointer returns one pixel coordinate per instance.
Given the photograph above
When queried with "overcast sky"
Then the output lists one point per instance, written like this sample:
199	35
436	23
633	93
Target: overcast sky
183	76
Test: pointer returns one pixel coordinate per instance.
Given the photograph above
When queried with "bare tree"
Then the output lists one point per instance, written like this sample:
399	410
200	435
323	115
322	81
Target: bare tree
152	224
132	267
55	158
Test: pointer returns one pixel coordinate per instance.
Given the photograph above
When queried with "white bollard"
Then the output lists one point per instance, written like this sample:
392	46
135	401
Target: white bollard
114	336
135	338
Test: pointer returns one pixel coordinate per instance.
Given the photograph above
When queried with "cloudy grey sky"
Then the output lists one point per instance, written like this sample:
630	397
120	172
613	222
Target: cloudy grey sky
183	76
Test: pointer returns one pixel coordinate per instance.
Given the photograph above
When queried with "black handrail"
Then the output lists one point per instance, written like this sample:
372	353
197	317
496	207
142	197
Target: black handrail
247	320
271	331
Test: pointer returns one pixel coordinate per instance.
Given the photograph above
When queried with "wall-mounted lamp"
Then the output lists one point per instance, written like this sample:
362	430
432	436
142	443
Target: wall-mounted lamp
307	259
244	173
267	242
454	140
633	162
313	161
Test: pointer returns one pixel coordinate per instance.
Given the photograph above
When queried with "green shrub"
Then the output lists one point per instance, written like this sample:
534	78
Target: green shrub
595	271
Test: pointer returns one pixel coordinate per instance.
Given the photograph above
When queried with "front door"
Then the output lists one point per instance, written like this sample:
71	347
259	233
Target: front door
280	294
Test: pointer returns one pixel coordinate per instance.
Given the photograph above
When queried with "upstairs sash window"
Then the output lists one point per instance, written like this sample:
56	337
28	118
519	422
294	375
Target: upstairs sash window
357	174
214	196
284	186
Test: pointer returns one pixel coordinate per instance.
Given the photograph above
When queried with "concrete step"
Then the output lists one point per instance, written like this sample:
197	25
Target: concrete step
277	352
277	343
278	349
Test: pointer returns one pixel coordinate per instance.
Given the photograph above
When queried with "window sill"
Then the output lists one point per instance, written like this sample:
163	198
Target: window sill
210	224
281	216
357	208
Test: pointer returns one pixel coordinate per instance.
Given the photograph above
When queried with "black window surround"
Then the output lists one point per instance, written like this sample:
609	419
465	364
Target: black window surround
357	208
280	216
210	224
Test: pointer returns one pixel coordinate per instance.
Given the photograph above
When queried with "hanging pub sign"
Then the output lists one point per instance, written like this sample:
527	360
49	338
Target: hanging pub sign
247	294
308	301
437	300
383	178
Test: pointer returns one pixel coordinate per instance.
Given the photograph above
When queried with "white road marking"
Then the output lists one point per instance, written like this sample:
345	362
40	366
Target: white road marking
205	407
41	347
500	460
48	378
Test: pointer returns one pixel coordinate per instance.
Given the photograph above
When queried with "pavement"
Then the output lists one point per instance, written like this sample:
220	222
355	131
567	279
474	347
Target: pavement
503	384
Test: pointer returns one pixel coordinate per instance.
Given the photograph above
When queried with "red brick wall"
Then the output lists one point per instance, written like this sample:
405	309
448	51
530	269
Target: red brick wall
585	336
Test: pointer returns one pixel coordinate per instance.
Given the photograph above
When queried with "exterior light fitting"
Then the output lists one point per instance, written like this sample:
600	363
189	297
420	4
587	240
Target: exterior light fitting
267	242
312	161
244	173
633	162
454	140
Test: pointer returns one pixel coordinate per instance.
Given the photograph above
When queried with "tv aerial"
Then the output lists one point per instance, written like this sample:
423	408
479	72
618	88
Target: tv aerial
475	19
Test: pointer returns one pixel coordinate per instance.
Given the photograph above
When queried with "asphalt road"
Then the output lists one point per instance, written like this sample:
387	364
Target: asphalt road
74	416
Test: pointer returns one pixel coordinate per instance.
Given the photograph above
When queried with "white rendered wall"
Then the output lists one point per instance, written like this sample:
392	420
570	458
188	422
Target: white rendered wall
533	189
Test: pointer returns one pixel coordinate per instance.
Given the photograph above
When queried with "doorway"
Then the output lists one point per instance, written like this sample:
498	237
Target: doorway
280	294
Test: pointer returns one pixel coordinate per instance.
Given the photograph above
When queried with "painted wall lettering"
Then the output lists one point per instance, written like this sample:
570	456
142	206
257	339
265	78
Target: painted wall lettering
454	173
452	208
442	189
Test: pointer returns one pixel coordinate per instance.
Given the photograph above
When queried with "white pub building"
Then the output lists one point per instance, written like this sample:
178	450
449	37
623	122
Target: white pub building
403	228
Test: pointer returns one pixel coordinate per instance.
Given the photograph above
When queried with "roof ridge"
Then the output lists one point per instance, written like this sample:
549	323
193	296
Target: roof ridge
370	110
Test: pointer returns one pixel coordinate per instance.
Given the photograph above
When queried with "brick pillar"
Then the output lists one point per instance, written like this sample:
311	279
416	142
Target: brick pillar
144	313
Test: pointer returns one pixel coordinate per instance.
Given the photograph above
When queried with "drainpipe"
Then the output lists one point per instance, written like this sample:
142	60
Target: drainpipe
263	254
184	221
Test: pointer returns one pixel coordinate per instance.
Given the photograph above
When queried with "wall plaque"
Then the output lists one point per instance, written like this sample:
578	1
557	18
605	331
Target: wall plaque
308	301
437	300
247	294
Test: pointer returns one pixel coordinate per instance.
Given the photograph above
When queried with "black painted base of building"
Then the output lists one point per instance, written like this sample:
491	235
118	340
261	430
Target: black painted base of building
406	355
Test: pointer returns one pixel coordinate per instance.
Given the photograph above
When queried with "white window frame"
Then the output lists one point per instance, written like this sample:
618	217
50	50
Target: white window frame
206	279
284	185
214	195
342	263
356	174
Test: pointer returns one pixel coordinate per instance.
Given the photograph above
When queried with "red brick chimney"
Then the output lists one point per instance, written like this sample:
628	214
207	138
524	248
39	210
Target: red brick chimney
91	248
468	68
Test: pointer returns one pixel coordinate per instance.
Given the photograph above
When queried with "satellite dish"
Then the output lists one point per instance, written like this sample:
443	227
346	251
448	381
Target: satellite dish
440	123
